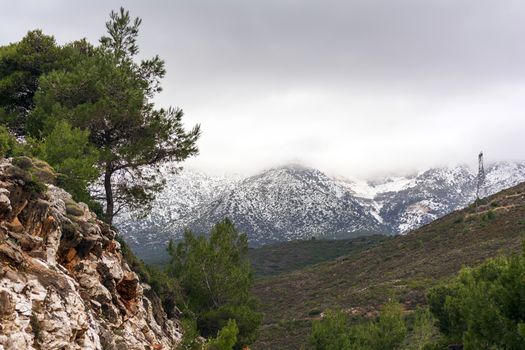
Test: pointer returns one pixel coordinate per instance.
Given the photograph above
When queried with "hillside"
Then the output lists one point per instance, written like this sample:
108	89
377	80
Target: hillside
296	202
402	268
283	257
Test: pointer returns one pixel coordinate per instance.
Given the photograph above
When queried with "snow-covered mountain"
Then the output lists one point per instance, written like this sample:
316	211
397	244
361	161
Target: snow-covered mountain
174	208
424	198
292	202
296	202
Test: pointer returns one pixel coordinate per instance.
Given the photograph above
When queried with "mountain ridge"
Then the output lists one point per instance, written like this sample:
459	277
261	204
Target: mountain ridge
298	202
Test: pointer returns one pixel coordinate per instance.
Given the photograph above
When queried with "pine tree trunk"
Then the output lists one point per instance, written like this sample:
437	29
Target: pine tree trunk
110	206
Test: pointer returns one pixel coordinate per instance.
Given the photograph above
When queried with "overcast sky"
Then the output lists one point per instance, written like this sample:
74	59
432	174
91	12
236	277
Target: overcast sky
356	88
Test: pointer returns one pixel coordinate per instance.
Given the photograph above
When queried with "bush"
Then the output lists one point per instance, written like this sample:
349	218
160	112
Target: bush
246	317
8	144
385	333
69	152
424	334
484	308
226	338
190	338
389	331
331	333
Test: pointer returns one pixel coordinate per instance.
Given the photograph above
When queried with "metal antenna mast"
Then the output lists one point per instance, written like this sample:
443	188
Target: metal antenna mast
481	177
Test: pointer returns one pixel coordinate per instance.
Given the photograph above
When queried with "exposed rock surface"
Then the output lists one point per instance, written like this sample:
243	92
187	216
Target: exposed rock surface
63	281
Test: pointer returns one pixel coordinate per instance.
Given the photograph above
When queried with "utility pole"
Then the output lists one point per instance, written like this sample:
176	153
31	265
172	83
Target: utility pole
481	179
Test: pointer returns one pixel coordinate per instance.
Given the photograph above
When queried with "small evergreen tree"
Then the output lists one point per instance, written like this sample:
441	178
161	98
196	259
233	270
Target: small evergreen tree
217	278
8	144
21	66
390	330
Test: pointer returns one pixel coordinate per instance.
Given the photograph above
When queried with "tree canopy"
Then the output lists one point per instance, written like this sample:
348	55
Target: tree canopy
217	278
103	94
484	307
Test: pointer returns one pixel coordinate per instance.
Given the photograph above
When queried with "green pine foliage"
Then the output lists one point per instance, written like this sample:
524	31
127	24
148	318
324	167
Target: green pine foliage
9	147
190	336
21	65
106	94
191	340
72	156
423	333
332	332
226	337
484	307
216	276
390	331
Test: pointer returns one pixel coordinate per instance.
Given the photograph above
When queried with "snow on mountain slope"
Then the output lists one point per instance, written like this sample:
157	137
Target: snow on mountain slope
371	189
437	192
174	207
296	202
287	203
503	175
432	194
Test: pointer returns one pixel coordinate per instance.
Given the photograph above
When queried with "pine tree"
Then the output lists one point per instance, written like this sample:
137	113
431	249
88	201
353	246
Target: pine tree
217	278
108	94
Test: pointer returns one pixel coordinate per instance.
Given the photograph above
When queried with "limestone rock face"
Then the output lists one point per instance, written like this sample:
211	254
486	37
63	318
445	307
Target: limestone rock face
63	281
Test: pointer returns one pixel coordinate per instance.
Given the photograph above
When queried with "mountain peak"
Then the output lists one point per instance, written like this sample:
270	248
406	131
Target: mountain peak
291	167
294	201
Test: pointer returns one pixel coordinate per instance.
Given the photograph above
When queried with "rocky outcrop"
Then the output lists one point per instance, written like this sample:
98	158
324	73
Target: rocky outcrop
63	281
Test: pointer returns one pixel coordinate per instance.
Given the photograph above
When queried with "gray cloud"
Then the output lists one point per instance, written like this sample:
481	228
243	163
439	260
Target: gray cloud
354	87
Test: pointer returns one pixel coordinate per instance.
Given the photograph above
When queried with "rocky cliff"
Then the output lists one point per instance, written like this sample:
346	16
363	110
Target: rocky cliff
63	281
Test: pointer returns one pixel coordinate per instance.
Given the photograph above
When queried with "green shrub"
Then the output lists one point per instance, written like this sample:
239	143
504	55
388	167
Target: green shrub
489	215
332	332
9	147
23	162
226	338
70	153
459	220
484	308
190	338
424	333
389	331
386	333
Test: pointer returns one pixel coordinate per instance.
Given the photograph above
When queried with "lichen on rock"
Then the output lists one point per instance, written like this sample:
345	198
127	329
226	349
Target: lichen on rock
63	281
